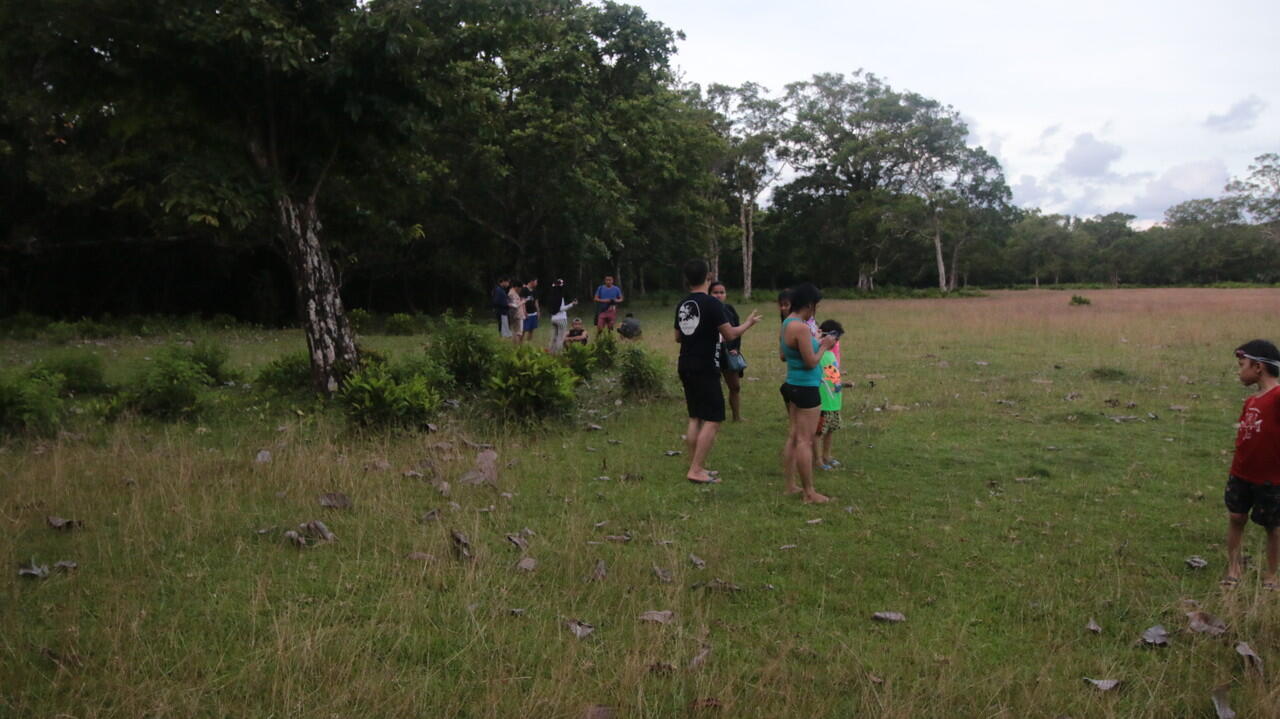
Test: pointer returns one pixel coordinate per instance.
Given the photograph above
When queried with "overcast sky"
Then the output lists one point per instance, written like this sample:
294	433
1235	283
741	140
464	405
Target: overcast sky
1091	106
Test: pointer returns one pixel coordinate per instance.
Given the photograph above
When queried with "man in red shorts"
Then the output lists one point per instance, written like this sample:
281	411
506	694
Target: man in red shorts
608	297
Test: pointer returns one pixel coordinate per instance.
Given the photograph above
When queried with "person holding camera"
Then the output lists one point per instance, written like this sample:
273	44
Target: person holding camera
732	364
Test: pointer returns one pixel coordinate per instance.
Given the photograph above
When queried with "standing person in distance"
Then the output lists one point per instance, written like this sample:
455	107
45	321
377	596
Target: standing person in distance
530	297
700	323
515	310
607	298
730	348
802	353
498	303
831	393
1254	480
560	306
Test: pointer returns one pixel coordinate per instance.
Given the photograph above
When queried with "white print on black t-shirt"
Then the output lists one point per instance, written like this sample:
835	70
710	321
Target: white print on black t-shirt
1251	423
689	318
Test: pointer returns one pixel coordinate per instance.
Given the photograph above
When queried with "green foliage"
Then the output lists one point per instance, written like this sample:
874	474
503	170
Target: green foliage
1078	300
360	320
412	366
639	372
31	404
1111	374
374	397
580	359
60	332
401	324
605	349
23	326
464	350
531	384
287	375
81	372
210	356
171	386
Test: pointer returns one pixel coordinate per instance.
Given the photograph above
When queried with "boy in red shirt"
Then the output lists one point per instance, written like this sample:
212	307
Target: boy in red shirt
1254	483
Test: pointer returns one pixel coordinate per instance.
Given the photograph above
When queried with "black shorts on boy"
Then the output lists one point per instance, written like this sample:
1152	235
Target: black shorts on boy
702	394
1263	499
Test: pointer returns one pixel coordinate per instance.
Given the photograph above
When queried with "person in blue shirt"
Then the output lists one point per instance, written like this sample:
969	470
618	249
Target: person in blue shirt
608	297
498	303
803	354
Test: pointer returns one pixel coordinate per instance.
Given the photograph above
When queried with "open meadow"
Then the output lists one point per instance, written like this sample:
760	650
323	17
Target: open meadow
1015	469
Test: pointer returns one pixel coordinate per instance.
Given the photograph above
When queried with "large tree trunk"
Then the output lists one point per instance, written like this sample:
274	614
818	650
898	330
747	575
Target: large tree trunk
937	247
955	265
713	254
329	338
746	217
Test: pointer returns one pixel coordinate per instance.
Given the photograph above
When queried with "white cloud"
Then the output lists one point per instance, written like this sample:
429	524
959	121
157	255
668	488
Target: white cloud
1188	181
1242	116
1089	157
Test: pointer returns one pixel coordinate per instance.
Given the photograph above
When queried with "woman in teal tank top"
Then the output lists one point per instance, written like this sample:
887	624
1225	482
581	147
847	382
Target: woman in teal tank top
802	353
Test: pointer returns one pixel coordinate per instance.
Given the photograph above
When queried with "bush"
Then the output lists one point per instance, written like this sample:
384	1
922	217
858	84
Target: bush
605	349
23	325
1080	300
531	384
465	351
416	365
286	375
372	397
60	333
223	321
210	356
639	372
580	359
81	372
360	320
31	404
171	386
401	324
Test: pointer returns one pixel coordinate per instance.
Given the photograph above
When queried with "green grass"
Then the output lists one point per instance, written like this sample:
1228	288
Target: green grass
180	608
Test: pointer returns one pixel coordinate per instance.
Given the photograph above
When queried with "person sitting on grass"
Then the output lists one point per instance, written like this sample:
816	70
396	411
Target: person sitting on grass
630	328
699	325
577	333
1254	481
830	393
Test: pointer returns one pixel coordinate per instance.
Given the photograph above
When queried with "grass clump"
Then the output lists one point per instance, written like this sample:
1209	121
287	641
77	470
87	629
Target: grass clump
639	372
287	375
172	386
413	366
465	351
580	359
32	404
360	320
81	372
401	324
1080	300
605	350
374	397
531	384
1111	374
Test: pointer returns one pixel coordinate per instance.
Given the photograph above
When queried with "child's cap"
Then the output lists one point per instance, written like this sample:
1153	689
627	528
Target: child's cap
1259	351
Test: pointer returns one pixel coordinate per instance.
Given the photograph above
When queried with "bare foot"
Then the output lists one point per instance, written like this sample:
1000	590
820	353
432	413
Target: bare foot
791	489
702	477
815	498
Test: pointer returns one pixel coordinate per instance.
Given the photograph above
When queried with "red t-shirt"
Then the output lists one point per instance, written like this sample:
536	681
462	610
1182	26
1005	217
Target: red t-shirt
1257	458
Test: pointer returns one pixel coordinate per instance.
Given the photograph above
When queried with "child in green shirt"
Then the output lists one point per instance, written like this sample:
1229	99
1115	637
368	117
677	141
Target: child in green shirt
829	392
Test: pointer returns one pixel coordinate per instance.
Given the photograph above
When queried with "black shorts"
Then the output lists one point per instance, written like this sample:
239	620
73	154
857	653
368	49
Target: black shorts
702	394
801	397
1263	499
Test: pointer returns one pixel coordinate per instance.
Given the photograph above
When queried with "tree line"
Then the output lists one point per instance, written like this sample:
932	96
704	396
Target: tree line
286	161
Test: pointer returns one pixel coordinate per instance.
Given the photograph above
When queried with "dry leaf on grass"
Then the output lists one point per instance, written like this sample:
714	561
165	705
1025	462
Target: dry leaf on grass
657	617
892	617
33	570
335	500
1220	705
706	704
64	525
378	464
295	539
521	543
875	679
701	657
442	487
697	561
1104	685
600	572
662	668
517	612
1093	626
619	538
485	470
1196	562
813	521
461	545
65	565
594	428
419	556
1156	636
579	628
1251	658
672	453
528	564
431	515
1178	408
1205	623
717	585
662	575
785	547
315	529
263	457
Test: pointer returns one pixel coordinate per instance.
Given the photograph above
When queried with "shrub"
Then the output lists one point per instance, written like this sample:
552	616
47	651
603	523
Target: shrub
81	372
171	386
1077	300
465	350
23	325
531	384
60	333
222	321
92	330
401	324
420	365
289	374
605	349
31	404
210	356
580	359
360	320
639	372
373	397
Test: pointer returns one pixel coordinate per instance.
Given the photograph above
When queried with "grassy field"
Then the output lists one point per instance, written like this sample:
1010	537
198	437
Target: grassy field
1014	468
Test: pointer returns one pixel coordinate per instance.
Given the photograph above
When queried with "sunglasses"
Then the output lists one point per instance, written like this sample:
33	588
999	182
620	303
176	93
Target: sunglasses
1241	354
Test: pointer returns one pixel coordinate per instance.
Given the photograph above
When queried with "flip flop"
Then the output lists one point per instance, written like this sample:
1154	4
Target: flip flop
713	480
1229	582
835	463
1271	586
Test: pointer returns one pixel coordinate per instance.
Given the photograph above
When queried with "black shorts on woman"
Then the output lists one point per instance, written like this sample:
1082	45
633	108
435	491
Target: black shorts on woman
801	397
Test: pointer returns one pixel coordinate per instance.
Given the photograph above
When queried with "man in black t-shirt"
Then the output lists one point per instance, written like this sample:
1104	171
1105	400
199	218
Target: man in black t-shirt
700	322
